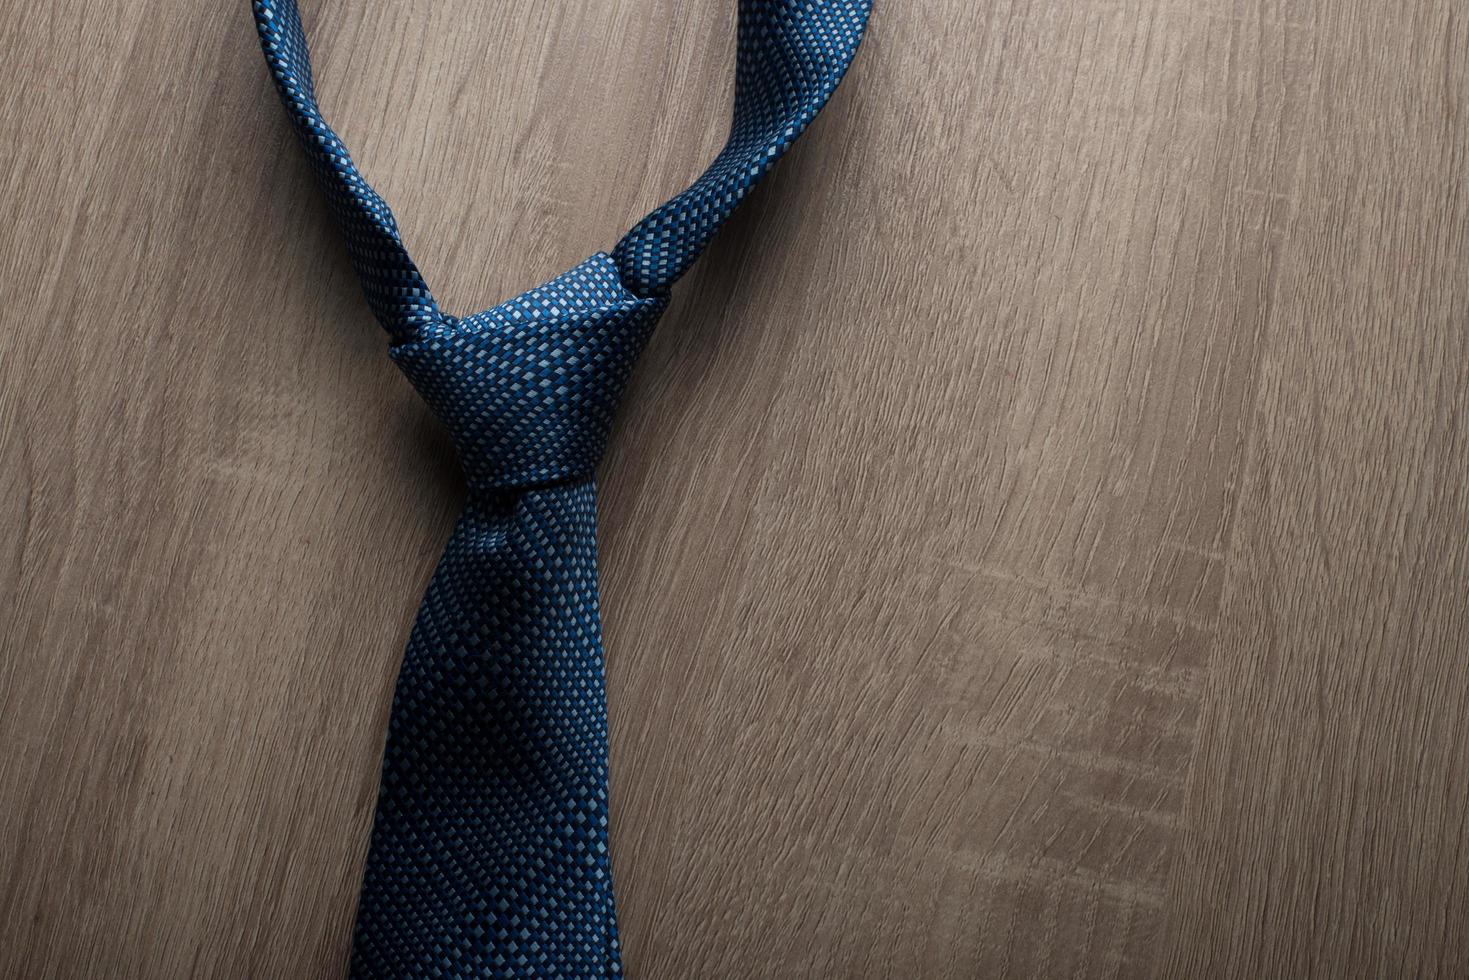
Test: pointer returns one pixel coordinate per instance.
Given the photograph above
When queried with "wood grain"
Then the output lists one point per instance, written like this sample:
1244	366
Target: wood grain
1035	544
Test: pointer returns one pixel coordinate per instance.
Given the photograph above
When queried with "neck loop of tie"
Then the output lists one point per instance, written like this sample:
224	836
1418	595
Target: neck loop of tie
789	57
527	389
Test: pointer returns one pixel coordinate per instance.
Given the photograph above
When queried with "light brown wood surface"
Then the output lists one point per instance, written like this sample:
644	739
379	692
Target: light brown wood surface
1035	544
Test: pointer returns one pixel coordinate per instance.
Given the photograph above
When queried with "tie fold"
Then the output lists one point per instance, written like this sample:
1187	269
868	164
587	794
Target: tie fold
789	57
396	292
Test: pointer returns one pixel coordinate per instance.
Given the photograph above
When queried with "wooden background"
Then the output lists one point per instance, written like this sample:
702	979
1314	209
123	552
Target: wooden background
1034	546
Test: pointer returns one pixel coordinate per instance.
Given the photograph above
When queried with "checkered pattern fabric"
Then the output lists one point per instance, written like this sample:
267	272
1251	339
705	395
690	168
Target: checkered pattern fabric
489	849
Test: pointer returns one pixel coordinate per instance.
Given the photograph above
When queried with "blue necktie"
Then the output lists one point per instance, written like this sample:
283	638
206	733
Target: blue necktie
489	847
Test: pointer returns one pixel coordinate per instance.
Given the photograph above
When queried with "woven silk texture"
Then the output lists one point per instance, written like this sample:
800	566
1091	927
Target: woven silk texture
489	854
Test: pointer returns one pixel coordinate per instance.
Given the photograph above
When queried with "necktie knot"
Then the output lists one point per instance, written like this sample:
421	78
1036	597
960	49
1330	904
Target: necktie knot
528	389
